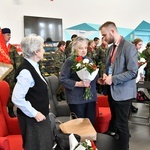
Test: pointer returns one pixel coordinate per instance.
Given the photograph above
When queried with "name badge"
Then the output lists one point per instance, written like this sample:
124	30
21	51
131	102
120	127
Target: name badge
110	70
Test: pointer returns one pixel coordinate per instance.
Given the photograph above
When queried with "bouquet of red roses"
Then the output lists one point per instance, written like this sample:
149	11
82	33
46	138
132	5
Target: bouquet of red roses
86	71
85	145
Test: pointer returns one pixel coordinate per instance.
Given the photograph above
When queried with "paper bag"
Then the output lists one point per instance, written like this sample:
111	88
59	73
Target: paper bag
80	126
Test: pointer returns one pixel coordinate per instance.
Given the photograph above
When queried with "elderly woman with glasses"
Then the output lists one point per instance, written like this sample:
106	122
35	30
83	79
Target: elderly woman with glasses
75	87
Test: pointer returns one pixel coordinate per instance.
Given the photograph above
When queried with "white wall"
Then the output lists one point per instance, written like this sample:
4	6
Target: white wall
125	13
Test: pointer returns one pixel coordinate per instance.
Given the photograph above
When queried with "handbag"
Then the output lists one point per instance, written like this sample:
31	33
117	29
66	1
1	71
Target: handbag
62	141
79	126
141	97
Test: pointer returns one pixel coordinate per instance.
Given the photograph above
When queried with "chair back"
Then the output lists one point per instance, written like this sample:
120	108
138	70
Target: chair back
102	101
4	97
52	91
59	109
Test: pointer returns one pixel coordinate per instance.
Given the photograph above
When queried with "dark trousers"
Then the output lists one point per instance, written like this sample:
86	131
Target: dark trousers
87	110
119	121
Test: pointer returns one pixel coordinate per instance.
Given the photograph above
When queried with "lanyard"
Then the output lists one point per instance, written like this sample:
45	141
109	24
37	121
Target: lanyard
113	53
114	50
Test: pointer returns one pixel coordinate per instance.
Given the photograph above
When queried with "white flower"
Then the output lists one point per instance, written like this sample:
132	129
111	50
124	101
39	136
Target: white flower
88	142
142	60
85	61
78	65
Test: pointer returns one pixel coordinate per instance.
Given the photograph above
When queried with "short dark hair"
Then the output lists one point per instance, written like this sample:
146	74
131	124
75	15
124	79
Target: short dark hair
73	36
96	39
61	43
108	23
48	40
6	30
136	41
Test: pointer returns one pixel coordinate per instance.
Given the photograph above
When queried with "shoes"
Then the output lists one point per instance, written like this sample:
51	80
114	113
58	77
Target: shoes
134	109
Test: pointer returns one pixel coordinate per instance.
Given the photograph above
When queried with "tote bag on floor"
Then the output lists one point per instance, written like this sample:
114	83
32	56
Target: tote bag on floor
80	126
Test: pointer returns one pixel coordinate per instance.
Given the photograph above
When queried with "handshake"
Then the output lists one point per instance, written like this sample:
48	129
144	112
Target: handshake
105	80
101	81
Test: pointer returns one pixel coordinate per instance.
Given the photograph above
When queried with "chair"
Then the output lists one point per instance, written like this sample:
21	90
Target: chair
103	114
59	109
10	136
107	142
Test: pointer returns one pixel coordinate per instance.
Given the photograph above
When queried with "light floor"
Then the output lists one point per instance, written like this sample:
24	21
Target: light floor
140	134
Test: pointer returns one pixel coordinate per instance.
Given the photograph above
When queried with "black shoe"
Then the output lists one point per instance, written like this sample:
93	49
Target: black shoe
134	109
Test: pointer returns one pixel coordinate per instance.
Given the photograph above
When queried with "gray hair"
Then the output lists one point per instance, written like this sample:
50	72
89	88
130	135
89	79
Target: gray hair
31	44
75	42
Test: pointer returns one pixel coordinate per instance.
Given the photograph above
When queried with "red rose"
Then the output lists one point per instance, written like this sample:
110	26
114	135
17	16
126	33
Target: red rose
94	67
93	145
78	59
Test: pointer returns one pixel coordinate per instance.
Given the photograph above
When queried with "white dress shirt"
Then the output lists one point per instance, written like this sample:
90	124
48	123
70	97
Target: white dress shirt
24	82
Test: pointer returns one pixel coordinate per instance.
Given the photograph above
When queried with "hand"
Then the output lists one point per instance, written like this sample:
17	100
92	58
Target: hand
85	83
39	117
108	80
104	76
101	81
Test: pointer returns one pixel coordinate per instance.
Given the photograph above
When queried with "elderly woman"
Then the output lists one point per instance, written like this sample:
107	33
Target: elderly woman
75	87
30	95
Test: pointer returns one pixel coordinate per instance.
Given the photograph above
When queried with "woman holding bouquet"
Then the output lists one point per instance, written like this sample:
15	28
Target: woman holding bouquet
79	103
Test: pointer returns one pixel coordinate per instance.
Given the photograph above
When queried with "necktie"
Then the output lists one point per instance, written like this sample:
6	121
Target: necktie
113	50
113	53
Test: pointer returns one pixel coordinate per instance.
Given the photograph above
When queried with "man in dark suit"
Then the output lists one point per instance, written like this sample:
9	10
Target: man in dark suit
119	77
